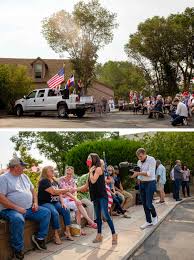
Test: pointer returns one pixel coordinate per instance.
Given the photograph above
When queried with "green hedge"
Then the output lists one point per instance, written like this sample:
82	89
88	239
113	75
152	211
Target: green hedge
116	151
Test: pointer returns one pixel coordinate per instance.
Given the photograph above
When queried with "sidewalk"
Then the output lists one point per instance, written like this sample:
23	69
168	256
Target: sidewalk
130	238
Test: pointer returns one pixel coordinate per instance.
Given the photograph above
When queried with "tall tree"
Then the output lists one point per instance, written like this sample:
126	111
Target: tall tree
122	76
167	45
55	145
81	34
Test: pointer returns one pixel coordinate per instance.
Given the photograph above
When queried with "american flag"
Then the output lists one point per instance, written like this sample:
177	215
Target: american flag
56	80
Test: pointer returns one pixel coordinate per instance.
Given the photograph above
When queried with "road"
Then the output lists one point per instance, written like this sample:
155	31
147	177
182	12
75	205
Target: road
110	120
173	239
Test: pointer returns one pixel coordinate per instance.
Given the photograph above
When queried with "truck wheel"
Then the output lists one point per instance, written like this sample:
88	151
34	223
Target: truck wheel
62	111
19	110
80	113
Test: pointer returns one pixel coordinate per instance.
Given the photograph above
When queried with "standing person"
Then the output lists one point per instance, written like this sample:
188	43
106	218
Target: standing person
50	197
185	181
173	182
161	180
147	185
178	173
99	196
18	201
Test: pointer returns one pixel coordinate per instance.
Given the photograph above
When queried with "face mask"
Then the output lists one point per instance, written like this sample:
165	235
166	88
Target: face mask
89	163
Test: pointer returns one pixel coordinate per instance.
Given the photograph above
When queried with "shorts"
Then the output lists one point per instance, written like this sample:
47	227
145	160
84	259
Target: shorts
71	205
160	187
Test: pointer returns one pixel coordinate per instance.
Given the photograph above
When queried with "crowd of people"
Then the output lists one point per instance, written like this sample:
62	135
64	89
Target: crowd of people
180	108
96	196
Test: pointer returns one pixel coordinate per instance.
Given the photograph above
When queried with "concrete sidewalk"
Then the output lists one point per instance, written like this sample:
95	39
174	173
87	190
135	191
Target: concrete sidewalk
130	238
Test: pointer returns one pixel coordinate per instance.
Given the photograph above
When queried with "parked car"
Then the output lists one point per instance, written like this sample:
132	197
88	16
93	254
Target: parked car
45	100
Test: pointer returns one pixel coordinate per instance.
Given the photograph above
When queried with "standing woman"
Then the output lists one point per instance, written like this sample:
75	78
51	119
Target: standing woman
185	181
99	196
50	197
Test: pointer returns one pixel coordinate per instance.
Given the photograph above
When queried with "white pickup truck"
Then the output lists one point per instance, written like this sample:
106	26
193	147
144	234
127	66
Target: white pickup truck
44	100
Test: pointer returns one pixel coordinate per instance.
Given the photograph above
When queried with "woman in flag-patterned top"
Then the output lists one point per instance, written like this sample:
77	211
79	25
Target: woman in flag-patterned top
70	199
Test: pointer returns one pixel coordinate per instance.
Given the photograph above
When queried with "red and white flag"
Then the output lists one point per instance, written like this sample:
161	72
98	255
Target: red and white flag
56	80
110	199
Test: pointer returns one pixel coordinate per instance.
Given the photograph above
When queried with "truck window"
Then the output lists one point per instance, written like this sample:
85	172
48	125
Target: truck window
41	93
31	95
54	93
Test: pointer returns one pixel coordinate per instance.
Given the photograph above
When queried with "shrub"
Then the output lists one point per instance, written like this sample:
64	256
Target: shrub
116	151
34	177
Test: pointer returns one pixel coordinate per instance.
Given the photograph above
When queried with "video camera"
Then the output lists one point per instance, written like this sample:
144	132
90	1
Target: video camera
126	168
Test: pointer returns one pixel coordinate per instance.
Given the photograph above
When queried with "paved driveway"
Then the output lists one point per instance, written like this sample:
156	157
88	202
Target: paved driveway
173	239
110	120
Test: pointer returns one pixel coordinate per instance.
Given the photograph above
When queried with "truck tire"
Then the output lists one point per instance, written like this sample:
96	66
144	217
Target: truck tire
80	113
19	110
62	111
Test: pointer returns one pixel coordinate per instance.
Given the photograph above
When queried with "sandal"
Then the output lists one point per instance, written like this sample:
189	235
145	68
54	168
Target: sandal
57	241
69	238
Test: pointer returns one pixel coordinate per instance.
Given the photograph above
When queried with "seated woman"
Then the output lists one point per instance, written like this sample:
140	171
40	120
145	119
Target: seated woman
50	196
70	198
117	196
158	107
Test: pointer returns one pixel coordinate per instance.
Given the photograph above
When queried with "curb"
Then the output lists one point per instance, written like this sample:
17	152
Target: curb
138	245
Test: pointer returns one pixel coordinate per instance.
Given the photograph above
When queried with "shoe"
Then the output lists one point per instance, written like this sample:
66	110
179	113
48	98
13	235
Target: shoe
114	239
178	199
98	239
160	202
40	244
57	241
19	255
126	216
185	122
155	220
146	225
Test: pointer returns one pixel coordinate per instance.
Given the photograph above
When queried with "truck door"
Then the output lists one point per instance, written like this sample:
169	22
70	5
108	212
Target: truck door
40	100
30	101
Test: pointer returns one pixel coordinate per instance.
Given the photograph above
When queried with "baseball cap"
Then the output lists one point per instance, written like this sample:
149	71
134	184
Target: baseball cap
16	161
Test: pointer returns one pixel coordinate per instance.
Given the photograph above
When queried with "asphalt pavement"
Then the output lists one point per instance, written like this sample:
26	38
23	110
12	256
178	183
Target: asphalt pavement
110	120
173	239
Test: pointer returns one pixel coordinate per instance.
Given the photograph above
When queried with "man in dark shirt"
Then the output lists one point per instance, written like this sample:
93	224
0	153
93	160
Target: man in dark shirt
118	187
177	179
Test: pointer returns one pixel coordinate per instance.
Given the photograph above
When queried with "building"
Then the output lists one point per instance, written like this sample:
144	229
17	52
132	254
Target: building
41	70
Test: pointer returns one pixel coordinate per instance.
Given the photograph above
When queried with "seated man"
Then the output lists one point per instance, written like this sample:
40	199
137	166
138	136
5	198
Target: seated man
181	114
18	201
118	187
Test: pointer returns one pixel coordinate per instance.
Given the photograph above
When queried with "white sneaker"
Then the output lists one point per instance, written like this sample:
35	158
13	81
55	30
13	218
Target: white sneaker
146	225
155	220
185	122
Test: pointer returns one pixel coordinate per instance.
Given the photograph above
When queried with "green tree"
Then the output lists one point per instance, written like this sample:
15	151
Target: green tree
166	44
55	145
14	83
81	34
122	76
26	157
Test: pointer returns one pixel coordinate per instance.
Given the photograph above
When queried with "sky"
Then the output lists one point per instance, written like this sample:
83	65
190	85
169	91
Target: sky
8	147
20	24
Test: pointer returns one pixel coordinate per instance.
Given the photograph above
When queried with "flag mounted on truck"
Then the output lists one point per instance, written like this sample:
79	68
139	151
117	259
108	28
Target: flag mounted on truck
56	80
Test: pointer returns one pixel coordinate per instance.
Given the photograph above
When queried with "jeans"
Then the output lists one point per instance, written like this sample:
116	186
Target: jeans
177	120
117	201
147	190
185	184
101	208
56	210
17	222
177	184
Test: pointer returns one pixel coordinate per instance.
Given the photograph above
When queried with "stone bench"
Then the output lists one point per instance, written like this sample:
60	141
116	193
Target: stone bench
30	228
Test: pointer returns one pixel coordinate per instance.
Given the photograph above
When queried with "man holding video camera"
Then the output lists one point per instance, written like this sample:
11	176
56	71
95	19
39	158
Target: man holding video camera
147	177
